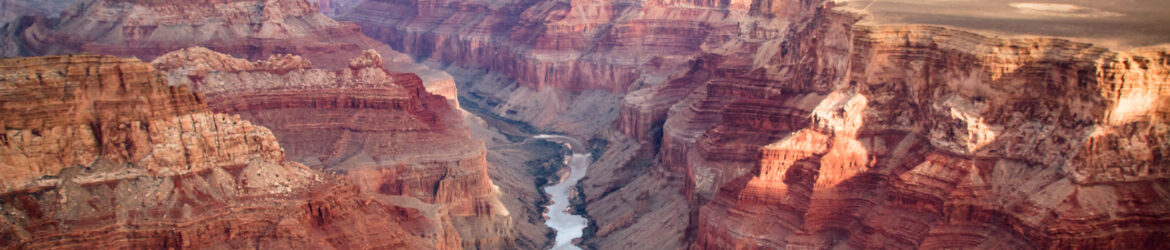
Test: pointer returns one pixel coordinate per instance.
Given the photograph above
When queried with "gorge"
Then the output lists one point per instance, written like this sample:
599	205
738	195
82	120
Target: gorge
565	124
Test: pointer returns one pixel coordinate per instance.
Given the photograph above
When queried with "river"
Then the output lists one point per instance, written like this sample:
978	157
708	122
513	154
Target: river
567	226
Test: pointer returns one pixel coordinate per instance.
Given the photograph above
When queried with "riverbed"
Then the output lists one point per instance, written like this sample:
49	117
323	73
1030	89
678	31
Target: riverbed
568	227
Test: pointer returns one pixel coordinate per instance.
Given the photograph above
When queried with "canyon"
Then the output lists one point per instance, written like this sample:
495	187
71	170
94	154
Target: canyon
381	129
99	151
358	120
778	124
743	124
568	226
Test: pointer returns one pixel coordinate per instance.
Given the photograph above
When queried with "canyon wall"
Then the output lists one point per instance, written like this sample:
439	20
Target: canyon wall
548	62
99	151
251	29
147	29
372	120
729	124
924	137
14	9
381	129
779	124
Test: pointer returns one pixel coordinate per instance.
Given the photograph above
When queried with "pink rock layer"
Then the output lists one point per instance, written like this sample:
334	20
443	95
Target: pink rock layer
99	151
383	130
924	137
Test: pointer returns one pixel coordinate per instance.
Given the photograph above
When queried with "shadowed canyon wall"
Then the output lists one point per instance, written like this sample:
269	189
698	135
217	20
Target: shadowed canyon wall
558	59
250	29
349	111
751	124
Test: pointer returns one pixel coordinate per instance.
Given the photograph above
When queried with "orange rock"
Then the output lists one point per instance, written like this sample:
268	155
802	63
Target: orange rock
379	128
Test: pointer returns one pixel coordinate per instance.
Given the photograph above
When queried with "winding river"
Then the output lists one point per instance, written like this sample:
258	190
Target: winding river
567	226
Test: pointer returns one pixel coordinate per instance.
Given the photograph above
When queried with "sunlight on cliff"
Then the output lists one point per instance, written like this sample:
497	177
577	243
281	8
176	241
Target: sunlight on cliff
837	119
841	112
1132	106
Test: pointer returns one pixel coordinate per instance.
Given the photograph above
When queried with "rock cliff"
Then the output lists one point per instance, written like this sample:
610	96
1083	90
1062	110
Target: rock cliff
383	130
250	29
99	151
558	59
925	137
147	29
14	9
784	124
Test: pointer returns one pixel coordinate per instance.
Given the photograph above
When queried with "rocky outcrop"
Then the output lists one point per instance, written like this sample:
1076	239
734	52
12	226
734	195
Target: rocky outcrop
250	29
783	124
383	130
99	151
147	29
925	137
568	54
14	9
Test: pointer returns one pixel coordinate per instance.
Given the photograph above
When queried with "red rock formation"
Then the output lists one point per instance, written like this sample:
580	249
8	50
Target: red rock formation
147	29
924	137
571	47
99	152
251	29
381	129
793	127
14	9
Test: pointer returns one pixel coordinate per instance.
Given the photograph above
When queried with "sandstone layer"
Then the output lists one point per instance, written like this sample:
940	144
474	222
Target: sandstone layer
926	137
99	151
915	137
250	29
784	124
383	130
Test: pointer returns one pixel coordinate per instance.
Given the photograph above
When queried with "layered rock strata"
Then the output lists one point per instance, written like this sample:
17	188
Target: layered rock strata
782	124
99	151
250	29
147	29
926	137
14	9
572	57
381	129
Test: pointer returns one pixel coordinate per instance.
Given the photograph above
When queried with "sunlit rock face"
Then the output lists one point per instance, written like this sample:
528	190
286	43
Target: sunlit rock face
100	151
918	136
381	129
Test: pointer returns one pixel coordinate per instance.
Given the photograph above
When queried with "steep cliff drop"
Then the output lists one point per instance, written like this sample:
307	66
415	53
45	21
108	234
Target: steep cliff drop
785	124
249	29
381	129
100	152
